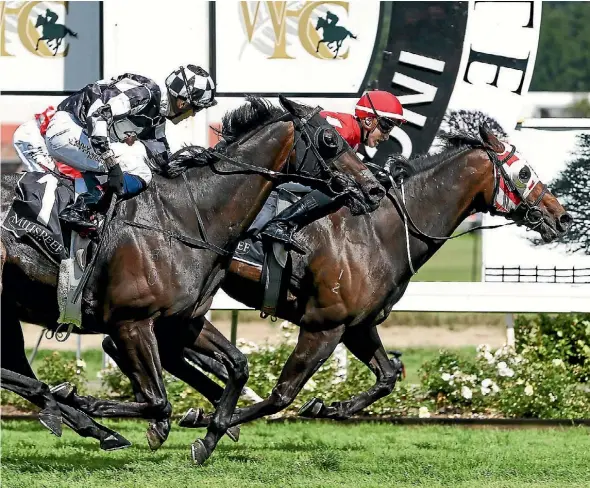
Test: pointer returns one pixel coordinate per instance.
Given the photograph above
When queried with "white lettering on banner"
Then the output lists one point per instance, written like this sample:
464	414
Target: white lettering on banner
413	59
425	92
498	59
404	140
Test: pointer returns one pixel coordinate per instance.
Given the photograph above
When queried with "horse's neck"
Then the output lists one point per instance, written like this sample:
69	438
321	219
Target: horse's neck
438	200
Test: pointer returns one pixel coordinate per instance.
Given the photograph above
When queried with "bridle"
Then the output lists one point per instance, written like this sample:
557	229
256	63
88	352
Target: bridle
533	215
312	138
532	218
304	134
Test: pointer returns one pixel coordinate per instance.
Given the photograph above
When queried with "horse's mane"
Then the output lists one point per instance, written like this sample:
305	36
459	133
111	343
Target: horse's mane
254	113
234	124
453	144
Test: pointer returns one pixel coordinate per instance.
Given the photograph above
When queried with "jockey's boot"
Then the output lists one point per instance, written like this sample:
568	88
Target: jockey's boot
311	207
79	215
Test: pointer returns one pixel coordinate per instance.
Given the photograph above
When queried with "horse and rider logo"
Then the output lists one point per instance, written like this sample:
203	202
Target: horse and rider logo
333	34
52	31
271	27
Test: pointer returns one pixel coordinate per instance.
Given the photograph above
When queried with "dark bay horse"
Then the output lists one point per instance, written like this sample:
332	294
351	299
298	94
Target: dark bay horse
358	267
151	276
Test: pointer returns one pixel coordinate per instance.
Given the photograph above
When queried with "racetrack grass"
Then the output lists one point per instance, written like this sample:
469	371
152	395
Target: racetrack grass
304	455
456	260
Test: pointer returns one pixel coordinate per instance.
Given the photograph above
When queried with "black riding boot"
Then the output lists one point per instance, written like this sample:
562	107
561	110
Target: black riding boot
311	207
79	215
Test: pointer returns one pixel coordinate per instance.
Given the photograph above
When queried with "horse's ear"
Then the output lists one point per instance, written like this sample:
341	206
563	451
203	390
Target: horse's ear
489	139
294	107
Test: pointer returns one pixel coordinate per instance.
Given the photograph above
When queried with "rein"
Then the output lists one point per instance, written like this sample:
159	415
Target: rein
277	176
499	173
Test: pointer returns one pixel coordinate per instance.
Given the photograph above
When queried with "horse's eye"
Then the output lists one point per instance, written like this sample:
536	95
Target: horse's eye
327	142
524	174
329	138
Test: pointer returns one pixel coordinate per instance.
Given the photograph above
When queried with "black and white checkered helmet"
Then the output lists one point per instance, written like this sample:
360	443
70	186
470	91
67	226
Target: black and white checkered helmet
192	84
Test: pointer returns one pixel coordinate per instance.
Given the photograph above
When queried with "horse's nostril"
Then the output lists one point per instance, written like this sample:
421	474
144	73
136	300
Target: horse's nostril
565	220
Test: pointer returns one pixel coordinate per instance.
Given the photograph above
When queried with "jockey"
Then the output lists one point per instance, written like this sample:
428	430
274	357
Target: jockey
96	131
376	114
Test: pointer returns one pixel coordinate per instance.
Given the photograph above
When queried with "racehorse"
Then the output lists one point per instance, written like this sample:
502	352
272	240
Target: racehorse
332	34
152	275
358	267
52	32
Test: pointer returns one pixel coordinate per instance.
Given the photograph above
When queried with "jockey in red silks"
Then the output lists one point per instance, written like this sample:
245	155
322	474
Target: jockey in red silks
376	114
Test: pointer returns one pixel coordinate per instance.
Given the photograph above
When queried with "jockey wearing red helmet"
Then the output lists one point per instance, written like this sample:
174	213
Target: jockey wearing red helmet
377	113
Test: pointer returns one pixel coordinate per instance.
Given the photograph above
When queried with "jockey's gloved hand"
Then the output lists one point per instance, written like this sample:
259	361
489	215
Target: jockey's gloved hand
115	180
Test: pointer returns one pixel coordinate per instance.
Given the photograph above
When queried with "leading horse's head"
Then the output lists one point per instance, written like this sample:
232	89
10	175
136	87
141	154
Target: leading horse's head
518	194
320	151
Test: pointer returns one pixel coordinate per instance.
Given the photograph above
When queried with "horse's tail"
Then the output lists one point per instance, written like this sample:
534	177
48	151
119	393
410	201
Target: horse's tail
70	32
351	34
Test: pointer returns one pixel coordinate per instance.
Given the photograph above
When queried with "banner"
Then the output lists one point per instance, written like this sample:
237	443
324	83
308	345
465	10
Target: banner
51	48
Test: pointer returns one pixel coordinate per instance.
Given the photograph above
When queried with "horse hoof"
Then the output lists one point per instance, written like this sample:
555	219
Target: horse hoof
51	421
234	433
114	442
64	391
199	452
154	438
311	408
192	418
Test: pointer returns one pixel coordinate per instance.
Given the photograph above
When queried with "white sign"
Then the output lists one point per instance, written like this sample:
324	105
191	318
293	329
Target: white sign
548	152
49	47
499	54
294	47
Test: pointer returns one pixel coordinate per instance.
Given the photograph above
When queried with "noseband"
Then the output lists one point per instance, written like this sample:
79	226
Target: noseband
533	215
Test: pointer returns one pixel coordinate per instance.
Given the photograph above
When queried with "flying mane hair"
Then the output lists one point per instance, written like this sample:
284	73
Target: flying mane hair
234	124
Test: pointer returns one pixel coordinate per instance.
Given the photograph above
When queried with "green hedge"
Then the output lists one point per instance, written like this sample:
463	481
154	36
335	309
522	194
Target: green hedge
546	376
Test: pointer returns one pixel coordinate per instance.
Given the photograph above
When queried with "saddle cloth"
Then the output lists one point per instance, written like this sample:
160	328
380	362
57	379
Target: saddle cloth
34	218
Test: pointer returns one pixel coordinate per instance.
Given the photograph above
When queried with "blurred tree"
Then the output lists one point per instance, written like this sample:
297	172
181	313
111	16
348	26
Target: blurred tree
581	108
469	121
562	61
572	187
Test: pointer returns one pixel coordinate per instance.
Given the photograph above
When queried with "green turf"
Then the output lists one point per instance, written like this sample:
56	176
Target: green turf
454	261
304	455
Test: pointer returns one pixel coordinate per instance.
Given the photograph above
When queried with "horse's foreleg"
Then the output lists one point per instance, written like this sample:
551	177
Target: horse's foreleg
214	345
312	350
138	348
365	345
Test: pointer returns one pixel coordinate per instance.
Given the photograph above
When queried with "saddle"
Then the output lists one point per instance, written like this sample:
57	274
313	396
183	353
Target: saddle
272	259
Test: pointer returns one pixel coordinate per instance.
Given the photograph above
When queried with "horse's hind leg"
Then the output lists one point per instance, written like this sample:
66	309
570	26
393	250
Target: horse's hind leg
366	345
14	359
38	394
136	342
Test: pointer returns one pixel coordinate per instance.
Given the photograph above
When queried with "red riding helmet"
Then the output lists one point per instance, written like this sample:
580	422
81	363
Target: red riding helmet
383	106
